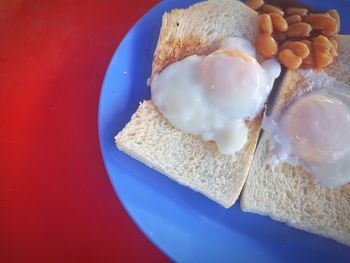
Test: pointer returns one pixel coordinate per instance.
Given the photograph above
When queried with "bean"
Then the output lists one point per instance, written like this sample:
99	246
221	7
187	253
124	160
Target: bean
272	9
278	22
299	29
322	51
334	42
331	29
299	49
309	61
289	59
265	24
334	48
333	13
323	22
322	59
321	43
254	4
296	11
293	19
266	45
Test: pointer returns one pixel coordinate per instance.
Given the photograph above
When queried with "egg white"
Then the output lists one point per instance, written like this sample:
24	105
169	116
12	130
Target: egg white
332	167
213	95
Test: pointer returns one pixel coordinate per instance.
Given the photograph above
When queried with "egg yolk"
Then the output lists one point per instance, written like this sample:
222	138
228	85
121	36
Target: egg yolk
318	127
233	80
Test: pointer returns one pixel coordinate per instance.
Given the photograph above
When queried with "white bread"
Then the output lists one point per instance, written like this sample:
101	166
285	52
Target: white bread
288	193
185	158
200	28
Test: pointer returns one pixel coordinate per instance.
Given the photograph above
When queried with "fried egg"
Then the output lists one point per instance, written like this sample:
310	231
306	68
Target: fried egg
212	96
314	130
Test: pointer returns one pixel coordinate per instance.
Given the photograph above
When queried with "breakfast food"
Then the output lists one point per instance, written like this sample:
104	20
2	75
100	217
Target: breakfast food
209	89
281	30
300	172
196	160
223	90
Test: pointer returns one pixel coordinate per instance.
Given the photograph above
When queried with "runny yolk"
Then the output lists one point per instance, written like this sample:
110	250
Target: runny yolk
318	127
233	80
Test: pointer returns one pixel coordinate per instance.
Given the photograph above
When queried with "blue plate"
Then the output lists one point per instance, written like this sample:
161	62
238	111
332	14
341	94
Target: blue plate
182	223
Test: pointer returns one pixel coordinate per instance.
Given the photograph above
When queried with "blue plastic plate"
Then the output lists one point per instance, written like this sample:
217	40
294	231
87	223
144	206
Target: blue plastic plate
182	223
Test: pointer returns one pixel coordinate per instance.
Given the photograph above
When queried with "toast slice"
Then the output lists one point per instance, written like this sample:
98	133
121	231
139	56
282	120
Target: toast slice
200	28
288	193
186	158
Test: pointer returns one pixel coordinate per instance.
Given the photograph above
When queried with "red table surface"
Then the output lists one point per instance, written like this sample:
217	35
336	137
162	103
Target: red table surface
56	201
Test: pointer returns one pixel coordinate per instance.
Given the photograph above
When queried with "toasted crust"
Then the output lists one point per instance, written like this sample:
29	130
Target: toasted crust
200	28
